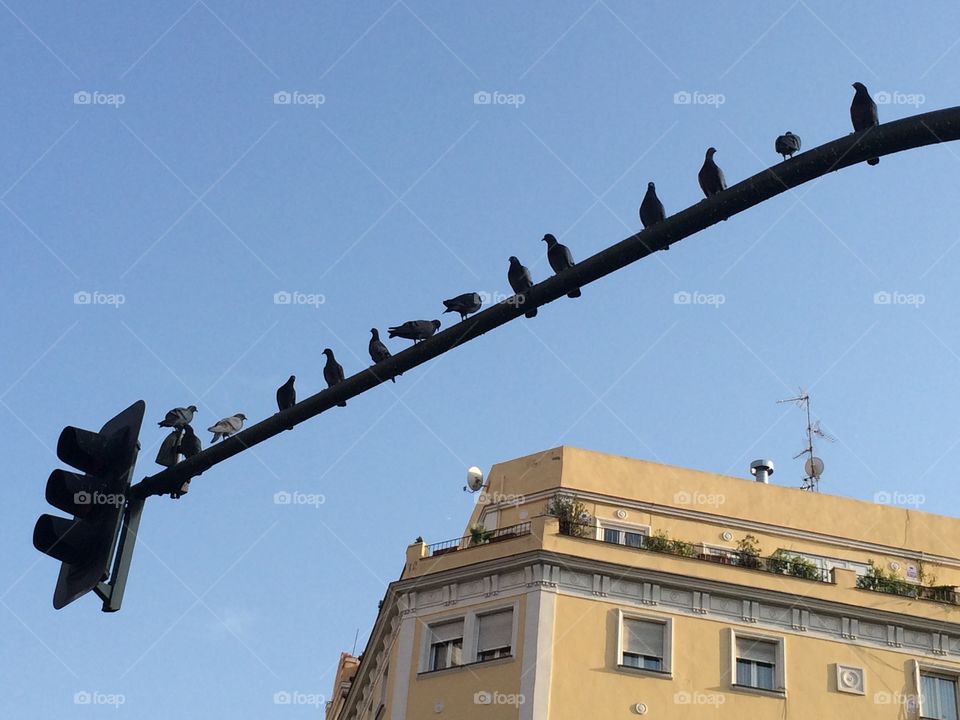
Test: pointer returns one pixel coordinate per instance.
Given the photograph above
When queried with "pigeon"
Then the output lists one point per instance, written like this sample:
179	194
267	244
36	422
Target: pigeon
178	417
189	443
520	281
787	144
227	427
378	351
415	330
651	209
464	304
287	394
711	176
560	259
333	372
863	112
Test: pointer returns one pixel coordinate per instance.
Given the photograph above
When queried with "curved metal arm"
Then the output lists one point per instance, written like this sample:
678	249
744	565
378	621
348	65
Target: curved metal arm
905	134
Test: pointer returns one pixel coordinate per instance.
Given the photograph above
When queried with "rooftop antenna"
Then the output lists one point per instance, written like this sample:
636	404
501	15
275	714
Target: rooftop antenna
355	638
813	467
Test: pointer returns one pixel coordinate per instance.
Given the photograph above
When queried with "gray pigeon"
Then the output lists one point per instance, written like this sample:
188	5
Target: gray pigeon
863	112
287	394
189	443
178	417
787	144
560	259
711	176
415	330
464	304
333	372
520	281
226	427
378	351
651	209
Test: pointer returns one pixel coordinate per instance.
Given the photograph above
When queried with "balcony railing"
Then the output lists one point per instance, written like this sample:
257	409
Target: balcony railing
893	586
781	563
476	540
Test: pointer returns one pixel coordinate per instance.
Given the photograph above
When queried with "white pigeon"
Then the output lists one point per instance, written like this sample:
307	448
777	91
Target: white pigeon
227	427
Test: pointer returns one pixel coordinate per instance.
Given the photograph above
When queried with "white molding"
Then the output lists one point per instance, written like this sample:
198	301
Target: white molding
538	649
401	672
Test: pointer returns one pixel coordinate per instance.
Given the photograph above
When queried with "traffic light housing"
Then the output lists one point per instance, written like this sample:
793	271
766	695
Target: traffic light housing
96	499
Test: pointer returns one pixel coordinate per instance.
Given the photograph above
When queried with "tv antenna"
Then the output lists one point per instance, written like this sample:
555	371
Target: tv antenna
813	467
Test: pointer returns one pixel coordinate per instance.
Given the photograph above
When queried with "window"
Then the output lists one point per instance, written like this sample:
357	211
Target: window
446	645
644	643
938	696
493	635
758	662
629	536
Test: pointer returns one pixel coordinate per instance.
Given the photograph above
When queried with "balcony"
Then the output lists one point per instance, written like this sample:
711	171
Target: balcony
478	540
877	582
780	563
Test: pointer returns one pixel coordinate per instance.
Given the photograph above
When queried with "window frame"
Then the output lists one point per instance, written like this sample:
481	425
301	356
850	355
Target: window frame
471	636
623	528
666	661
921	668
779	668
428	660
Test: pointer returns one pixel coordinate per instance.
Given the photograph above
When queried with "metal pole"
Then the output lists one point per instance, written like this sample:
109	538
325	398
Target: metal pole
905	134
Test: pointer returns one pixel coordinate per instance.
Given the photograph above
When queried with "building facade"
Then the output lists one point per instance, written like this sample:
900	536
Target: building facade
669	593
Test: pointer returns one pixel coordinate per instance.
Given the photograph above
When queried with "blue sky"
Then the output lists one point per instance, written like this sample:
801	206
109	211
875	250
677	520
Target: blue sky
181	198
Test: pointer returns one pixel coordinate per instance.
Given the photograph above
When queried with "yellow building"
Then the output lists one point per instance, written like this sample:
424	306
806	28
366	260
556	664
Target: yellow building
668	593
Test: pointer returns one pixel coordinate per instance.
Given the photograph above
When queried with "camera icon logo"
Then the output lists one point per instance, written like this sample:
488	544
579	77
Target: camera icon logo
482	697
482	97
82	97
282	98
282	298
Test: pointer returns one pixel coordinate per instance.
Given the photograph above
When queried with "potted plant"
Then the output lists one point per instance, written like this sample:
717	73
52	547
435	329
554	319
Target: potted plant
681	548
748	552
658	542
572	515
479	535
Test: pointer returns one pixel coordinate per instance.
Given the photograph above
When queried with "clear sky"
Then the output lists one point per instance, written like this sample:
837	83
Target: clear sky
182	198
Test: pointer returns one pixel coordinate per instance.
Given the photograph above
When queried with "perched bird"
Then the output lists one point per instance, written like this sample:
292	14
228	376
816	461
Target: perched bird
189	443
378	351
520	281
227	427
464	304
711	176
787	144
287	394
863	112
333	372
560	259
415	330
651	209
178	417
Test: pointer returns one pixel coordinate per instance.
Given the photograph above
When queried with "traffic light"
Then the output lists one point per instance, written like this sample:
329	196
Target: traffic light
96	499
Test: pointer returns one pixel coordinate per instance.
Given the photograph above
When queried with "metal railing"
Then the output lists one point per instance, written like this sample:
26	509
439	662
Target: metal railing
476	540
781	563
894	586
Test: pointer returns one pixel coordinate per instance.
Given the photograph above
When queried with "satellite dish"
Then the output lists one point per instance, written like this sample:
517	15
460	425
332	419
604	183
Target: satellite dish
813	467
474	479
